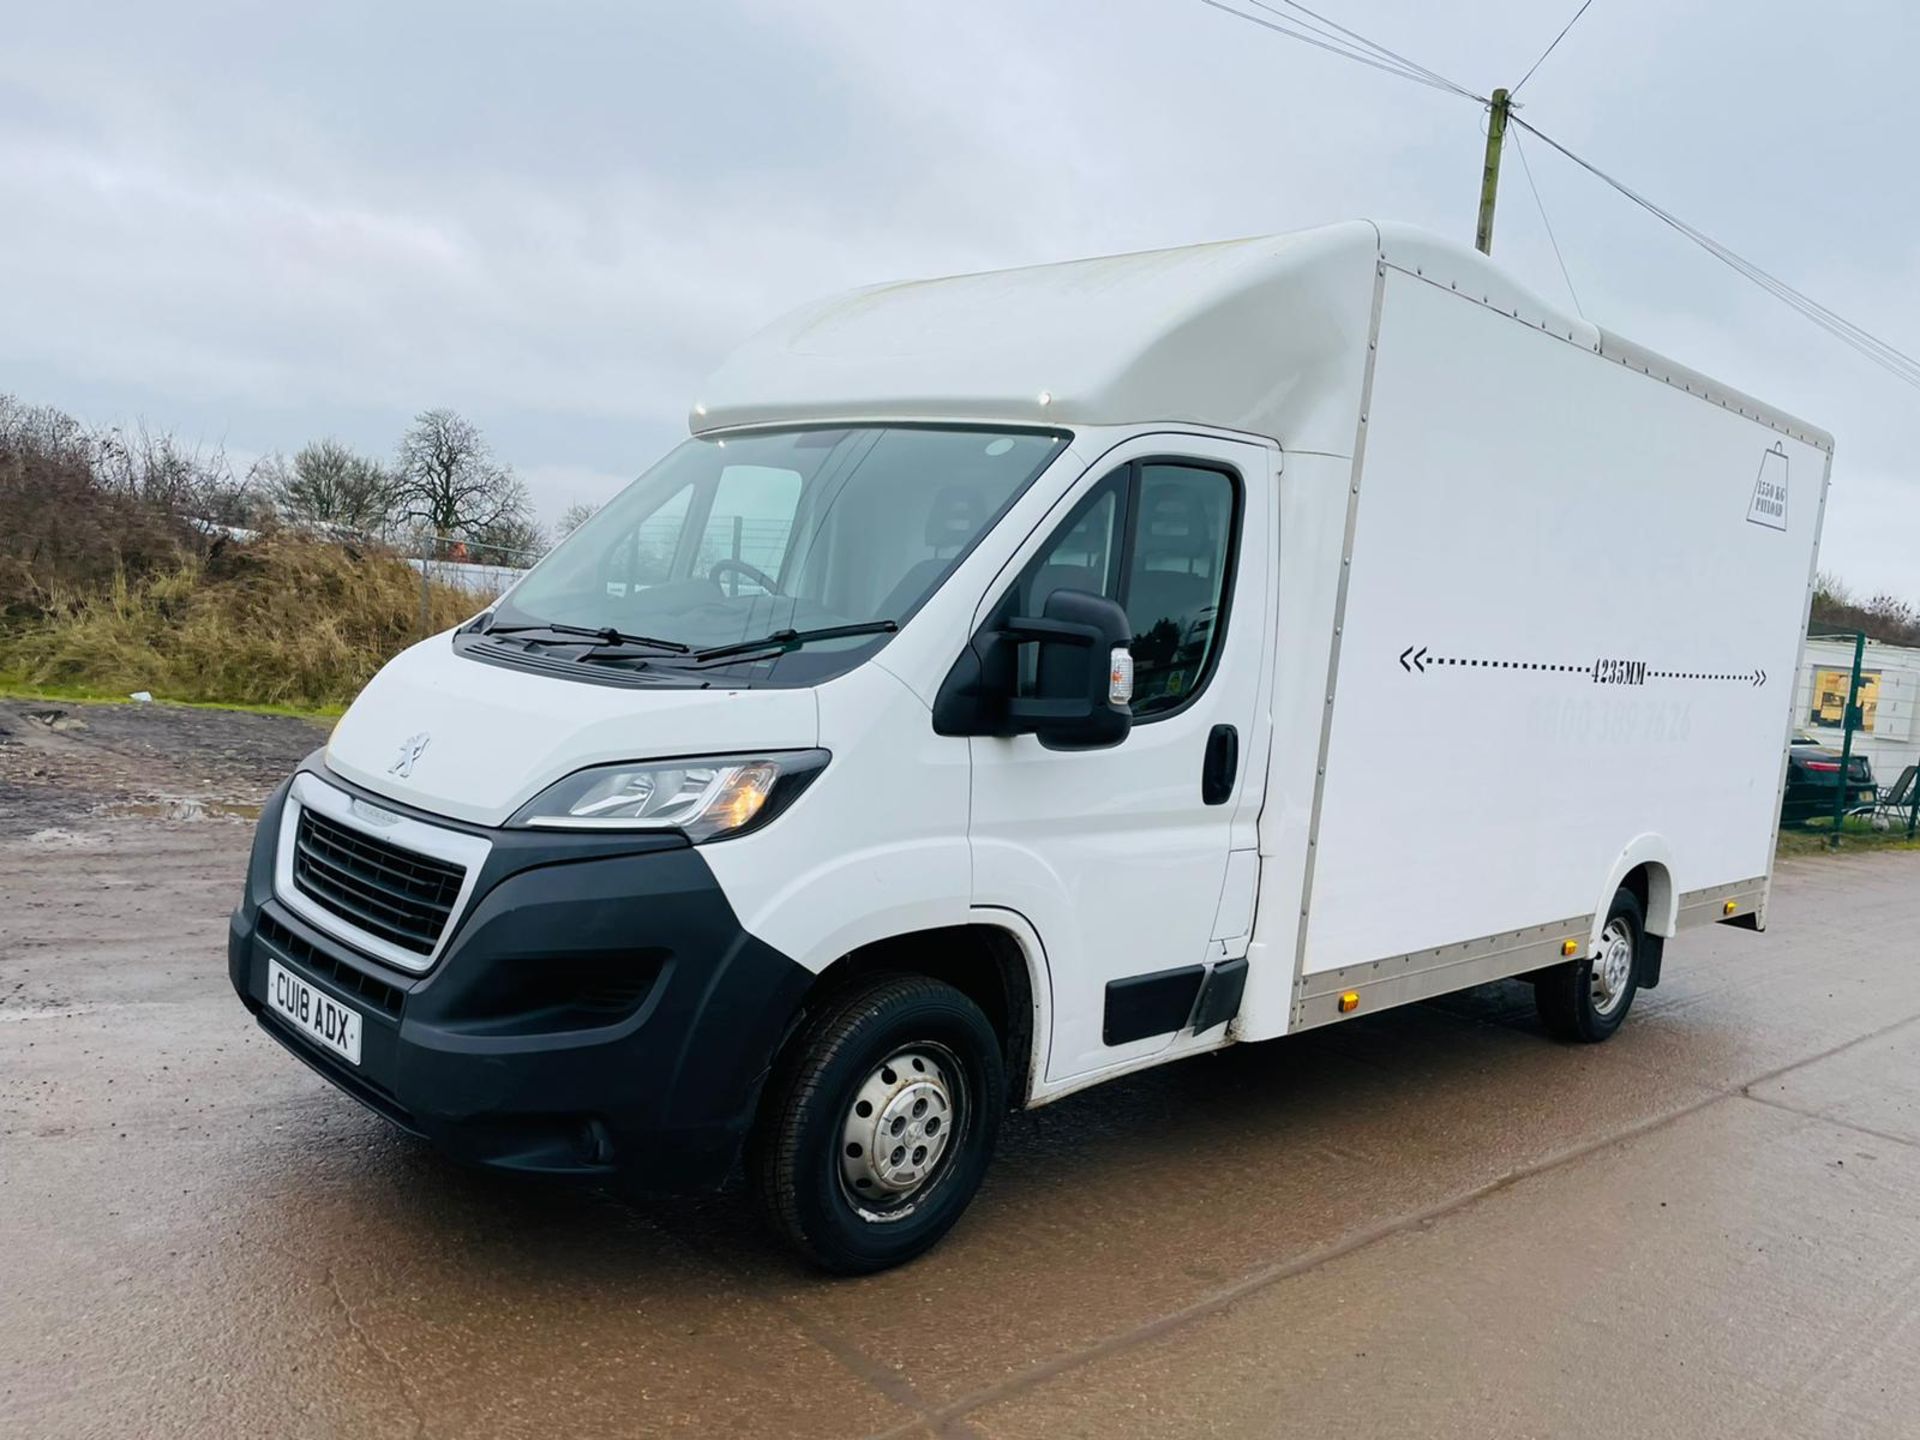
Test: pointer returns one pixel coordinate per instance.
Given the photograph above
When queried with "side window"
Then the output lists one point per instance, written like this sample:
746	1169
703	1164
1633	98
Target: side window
1084	554
1182	538
1159	538
749	521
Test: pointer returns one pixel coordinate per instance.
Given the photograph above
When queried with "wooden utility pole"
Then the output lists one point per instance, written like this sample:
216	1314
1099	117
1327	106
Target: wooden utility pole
1490	179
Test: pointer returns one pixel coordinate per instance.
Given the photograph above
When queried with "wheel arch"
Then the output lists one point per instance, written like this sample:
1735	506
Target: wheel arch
1644	867
995	962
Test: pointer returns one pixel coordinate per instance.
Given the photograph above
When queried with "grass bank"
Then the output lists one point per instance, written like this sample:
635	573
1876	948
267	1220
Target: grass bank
283	622
1856	834
12	689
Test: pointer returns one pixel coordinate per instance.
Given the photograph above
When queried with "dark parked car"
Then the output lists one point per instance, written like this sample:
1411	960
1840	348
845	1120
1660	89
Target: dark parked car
1813	774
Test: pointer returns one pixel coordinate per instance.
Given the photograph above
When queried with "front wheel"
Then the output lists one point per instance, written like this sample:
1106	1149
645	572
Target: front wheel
1586	999
879	1123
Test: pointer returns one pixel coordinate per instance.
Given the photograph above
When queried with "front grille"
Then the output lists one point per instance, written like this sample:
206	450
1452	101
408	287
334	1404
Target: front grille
377	993
396	895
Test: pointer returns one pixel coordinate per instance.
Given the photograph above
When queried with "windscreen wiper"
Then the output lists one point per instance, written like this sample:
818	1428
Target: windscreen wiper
784	640
606	635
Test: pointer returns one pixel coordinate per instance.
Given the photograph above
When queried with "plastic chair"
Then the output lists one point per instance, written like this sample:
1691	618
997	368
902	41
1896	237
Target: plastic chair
1895	801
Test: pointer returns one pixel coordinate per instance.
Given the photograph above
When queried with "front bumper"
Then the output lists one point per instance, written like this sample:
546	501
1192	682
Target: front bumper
597	1009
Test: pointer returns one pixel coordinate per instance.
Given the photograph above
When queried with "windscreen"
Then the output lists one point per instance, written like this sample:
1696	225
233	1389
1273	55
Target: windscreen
731	539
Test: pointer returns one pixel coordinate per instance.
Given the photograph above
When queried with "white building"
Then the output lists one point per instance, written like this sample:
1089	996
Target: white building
1889	701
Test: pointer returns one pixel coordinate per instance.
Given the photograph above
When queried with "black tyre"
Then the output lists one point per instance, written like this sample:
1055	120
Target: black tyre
1586	999
878	1123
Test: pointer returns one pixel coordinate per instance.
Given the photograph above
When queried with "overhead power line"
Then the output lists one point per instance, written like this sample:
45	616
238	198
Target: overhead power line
1361	50
1888	357
1315	20
1556	41
1296	21
1552	239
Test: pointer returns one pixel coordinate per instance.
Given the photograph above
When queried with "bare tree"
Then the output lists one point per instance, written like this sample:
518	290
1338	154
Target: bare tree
328	484
182	478
572	518
1884	616
45	432
1830	587
448	481
1894	614
61	527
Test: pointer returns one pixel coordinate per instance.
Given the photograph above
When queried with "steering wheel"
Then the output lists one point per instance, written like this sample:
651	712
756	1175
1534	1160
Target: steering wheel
752	572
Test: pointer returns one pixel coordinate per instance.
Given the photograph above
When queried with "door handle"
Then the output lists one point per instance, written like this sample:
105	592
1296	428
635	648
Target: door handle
1221	765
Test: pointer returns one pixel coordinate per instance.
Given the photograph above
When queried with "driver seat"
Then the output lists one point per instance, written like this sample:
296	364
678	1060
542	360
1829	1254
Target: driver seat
954	518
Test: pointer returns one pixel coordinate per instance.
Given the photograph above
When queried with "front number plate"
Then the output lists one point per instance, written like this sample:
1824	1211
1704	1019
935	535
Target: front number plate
316	1013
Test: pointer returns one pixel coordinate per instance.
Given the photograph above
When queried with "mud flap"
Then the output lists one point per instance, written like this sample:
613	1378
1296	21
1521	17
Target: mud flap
1219	999
1652	952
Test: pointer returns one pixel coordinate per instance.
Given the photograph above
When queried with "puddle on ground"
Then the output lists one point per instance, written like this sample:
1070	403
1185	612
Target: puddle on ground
181	807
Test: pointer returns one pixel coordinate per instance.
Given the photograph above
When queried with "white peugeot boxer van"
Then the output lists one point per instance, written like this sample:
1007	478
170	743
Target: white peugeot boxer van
1021	679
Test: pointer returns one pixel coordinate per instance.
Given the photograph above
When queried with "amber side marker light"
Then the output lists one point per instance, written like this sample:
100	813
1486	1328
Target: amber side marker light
1349	1002
1729	907
1569	947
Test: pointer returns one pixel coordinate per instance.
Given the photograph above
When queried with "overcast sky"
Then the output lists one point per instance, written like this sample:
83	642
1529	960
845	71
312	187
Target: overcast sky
256	225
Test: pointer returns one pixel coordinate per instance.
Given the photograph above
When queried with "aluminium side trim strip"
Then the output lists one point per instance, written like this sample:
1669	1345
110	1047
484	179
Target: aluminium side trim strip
1650	363
1793	684
1333	648
1424	974
1401	979
1446	957
1704	907
1655	366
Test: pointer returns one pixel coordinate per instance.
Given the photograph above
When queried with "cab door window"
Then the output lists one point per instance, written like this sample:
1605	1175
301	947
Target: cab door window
1159	537
1180	544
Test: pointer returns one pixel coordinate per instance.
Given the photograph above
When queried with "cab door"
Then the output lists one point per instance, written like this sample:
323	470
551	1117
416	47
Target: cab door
1135	864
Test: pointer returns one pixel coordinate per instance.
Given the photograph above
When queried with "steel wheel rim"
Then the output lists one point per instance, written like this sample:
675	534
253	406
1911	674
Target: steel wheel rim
1610	971
902	1129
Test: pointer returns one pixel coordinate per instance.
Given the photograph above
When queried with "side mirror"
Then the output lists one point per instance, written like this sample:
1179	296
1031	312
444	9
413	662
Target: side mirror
1083	687
1083	677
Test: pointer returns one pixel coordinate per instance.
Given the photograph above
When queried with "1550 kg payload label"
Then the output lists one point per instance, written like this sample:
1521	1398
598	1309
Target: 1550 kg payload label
1769	504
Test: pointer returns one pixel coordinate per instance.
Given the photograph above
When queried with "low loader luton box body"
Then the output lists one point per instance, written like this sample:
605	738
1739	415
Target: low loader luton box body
1020	679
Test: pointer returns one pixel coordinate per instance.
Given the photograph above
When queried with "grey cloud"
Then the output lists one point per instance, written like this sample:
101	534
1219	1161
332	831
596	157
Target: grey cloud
265	223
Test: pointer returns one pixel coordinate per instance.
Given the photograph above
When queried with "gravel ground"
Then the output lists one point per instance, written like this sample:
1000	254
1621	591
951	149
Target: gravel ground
63	763
1431	1221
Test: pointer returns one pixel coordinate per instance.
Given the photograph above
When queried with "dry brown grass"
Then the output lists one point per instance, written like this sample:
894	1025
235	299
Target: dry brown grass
282	620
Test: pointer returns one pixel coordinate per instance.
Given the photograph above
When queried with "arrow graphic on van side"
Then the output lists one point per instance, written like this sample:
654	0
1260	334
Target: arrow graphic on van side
1607	670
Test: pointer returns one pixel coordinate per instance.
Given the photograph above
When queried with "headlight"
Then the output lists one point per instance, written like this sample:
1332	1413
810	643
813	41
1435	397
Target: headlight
707	798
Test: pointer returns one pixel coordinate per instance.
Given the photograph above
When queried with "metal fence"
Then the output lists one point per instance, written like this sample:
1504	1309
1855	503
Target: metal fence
1831	784
480	570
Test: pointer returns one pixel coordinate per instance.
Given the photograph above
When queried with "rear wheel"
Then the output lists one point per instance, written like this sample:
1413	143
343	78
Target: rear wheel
879	1123
1586	999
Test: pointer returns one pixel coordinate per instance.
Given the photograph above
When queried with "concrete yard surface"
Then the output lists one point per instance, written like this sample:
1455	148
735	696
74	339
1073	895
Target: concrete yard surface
1431	1222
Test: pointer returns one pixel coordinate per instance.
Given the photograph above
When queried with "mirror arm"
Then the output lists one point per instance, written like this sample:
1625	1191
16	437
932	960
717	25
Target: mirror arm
1058	632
